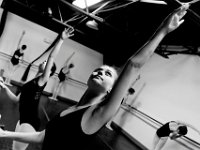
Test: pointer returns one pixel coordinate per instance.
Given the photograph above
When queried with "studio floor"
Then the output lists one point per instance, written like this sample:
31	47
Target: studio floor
111	139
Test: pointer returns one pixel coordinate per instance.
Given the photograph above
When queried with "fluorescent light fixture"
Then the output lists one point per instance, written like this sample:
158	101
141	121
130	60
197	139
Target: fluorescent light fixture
154	1
81	3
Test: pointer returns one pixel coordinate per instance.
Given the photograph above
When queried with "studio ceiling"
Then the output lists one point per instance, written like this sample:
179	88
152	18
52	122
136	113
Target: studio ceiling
123	25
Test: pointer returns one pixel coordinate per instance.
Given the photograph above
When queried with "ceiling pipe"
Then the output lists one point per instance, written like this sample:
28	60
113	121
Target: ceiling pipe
92	23
92	16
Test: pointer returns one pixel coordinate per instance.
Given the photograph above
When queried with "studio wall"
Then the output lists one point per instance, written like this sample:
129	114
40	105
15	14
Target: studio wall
38	39
168	89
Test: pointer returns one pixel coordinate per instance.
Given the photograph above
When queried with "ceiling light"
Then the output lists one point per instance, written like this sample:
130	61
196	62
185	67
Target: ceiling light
92	24
81	3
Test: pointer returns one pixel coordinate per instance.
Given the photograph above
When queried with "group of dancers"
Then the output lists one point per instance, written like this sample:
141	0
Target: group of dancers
77	126
18	58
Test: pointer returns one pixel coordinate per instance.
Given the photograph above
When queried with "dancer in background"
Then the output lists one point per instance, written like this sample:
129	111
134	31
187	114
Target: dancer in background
77	127
63	76
15	60
31	91
172	130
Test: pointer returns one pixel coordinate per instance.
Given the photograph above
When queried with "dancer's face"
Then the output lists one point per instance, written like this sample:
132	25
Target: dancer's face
102	78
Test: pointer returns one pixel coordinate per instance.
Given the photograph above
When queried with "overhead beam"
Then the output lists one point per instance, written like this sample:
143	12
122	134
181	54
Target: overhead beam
96	18
90	15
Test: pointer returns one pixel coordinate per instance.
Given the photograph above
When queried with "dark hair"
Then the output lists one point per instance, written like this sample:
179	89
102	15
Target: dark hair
117	69
53	69
131	91
182	130
71	65
23	47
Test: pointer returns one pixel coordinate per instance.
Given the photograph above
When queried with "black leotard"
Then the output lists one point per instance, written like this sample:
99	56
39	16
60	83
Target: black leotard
66	133
164	130
29	101
62	76
16	57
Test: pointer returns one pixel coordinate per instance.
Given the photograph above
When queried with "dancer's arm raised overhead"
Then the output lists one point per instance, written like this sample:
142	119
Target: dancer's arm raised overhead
65	34
137	60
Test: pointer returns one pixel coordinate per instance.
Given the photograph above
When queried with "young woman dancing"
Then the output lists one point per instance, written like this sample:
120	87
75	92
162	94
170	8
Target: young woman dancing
76	128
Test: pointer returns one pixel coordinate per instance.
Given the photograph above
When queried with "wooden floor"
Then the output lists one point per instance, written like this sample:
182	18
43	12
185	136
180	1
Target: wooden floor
112	139
116	140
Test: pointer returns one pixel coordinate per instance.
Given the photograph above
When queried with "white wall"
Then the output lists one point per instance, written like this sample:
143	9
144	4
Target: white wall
167	90
38	39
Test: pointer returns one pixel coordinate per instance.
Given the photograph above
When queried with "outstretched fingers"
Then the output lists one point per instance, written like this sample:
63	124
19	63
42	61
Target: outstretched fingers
181	11
68	32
